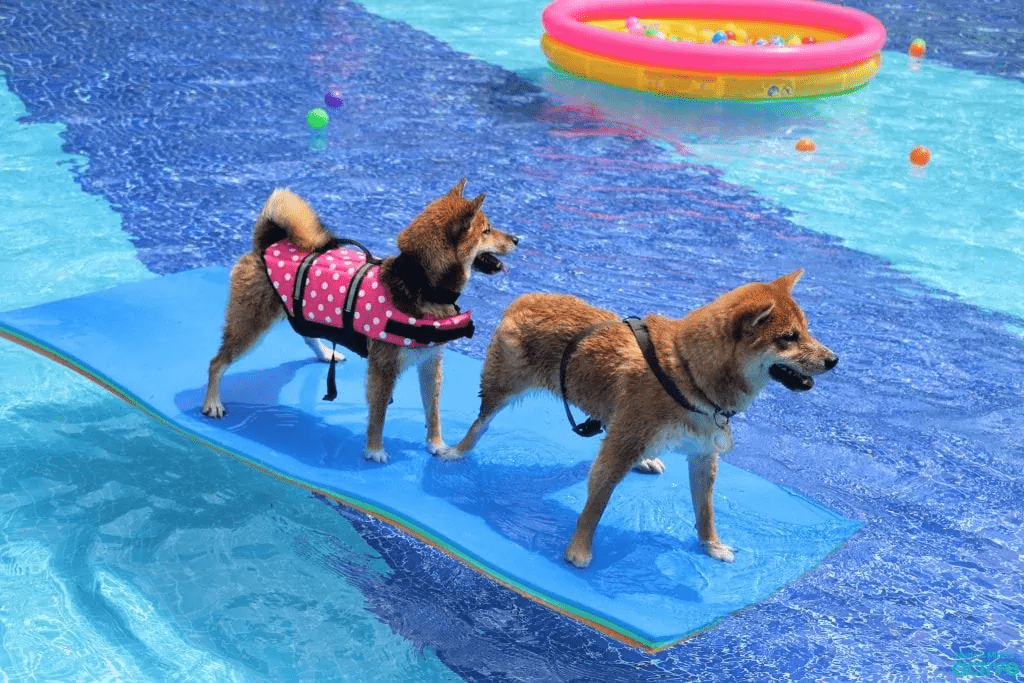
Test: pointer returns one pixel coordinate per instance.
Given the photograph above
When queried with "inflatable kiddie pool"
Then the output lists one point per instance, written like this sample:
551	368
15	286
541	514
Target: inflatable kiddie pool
715	49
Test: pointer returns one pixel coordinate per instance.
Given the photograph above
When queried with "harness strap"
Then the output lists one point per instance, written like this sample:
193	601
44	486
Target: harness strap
301	276
591	427
425	335
643	339
349	310
337	242
332	387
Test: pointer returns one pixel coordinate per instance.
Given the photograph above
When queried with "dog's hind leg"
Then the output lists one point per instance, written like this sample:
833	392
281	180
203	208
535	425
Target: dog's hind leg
253	306
618	453
491	403
501	381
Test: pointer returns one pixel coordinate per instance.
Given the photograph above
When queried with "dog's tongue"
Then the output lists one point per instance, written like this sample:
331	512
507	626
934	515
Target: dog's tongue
488	264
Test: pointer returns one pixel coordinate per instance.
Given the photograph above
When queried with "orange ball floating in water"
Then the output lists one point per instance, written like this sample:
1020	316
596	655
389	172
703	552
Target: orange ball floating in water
920	155
917	48
805	145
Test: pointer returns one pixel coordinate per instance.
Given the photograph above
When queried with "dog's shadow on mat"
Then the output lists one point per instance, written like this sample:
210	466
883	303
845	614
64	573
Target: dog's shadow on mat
302	435
516	501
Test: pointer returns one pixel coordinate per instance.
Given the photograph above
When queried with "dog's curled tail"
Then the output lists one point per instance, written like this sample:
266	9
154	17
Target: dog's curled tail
286	215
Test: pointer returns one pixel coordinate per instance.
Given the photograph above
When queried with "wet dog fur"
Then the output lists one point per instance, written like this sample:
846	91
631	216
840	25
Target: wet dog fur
448	239
720	357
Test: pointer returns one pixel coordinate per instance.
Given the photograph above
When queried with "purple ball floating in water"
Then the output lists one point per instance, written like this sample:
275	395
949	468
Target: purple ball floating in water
334	99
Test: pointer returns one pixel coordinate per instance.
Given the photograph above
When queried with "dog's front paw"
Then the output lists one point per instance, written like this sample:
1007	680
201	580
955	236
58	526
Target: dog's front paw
380	456
214	408
719	550
649	466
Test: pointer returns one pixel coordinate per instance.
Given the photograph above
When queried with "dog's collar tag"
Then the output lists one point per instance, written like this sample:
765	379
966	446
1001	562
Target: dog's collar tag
722	440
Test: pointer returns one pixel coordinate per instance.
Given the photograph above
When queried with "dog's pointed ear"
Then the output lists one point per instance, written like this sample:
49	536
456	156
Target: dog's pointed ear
457	190
477	202
752	318
788	281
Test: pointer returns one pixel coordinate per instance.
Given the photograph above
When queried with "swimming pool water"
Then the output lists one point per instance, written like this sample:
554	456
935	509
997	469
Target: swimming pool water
859	185
129	553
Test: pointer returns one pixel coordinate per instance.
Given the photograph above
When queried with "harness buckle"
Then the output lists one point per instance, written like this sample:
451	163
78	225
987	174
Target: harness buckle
589	428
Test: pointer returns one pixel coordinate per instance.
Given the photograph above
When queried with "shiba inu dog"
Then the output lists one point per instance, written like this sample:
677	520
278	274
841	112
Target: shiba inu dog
651	383
412	296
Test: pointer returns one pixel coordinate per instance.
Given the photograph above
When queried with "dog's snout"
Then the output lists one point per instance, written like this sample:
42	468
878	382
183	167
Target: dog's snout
831	361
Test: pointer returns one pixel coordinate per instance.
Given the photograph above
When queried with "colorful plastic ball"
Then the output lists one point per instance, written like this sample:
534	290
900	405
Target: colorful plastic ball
731	35
760	42
778	41
334	99
719	37
805	145
632	21
317	118
917	48
650	31
920	155
808	40
794	41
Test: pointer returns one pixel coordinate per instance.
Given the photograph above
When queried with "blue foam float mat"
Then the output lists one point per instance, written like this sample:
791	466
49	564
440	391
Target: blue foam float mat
507	510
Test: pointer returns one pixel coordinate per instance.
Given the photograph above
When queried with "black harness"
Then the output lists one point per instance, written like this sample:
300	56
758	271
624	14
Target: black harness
591	426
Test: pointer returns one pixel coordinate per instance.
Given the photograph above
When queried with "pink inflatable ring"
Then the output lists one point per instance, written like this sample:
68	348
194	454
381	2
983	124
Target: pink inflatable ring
710	49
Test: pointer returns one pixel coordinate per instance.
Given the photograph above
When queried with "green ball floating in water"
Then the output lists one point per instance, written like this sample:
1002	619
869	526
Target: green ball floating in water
317	118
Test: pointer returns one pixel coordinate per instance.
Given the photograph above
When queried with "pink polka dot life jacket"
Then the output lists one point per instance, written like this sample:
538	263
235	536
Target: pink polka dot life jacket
340	298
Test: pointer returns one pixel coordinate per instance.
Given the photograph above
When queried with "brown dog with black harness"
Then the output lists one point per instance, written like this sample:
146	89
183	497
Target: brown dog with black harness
651	383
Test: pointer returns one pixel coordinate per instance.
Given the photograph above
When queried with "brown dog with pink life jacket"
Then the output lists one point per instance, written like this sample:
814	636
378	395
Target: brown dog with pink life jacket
397	312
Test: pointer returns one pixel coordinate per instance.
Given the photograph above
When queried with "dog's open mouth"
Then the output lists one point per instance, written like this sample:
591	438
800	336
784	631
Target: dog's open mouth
488	264
790	378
